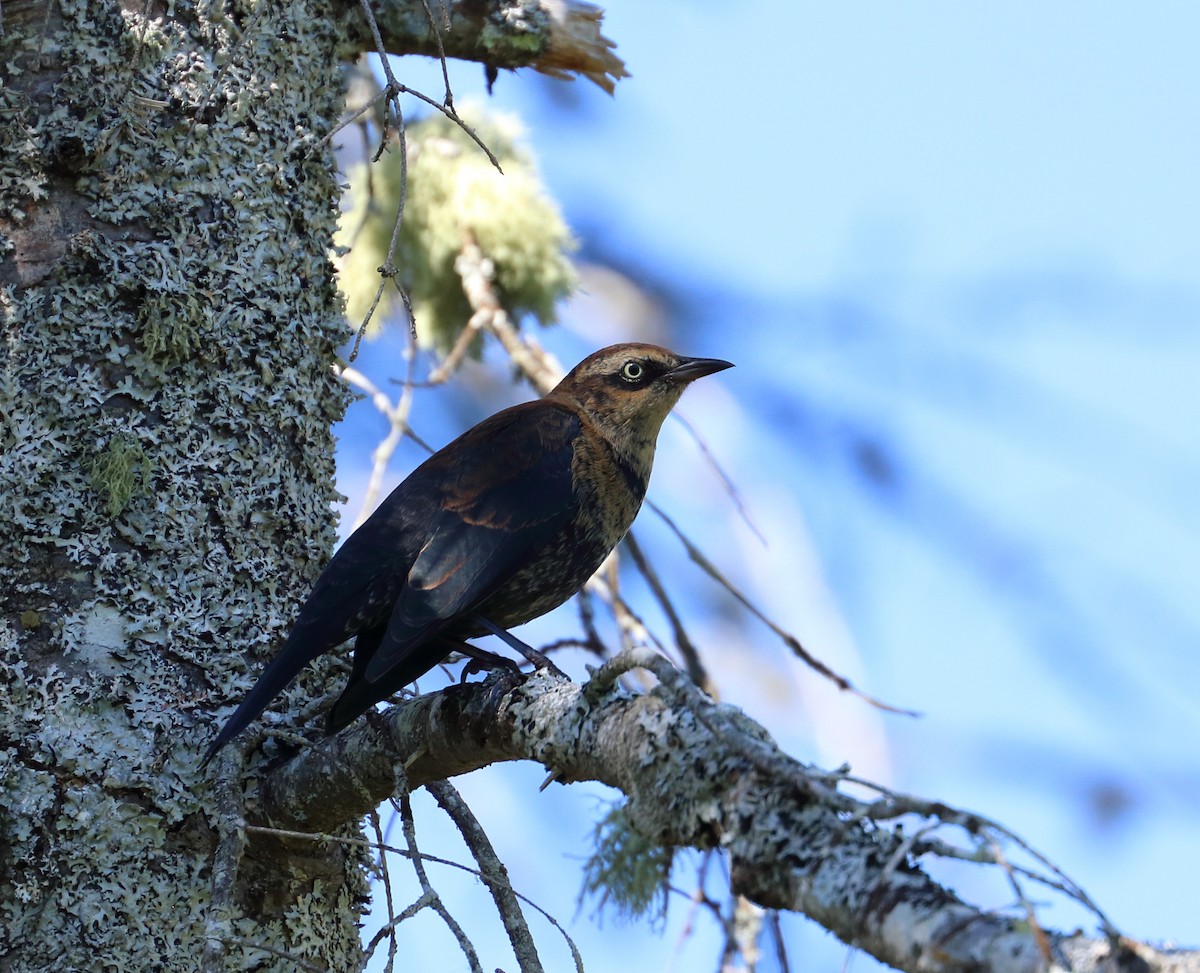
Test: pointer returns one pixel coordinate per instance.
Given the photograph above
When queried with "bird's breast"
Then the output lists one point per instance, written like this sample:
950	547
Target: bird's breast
608	489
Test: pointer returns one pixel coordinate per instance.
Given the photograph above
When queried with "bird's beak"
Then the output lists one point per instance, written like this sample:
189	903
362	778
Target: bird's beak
690	369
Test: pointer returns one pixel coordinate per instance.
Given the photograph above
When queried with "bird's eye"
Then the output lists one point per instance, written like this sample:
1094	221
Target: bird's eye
633	371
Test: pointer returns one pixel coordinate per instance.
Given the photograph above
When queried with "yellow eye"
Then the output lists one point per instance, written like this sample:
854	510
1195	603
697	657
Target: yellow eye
633	371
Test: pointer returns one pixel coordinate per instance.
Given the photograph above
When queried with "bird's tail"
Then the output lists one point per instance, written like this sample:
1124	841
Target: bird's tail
274	679
360	694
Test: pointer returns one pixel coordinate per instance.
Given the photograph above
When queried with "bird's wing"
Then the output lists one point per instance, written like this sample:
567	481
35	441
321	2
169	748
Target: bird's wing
504	490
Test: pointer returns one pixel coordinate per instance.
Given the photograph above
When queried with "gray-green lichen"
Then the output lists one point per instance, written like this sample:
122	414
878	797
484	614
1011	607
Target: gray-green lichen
454	192
627	871
167	326
517	27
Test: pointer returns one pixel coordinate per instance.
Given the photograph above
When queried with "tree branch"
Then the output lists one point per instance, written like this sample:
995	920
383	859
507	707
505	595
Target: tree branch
561	38
696	774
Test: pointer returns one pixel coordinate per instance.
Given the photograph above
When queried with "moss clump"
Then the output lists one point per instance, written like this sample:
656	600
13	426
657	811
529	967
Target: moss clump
454	193
169	335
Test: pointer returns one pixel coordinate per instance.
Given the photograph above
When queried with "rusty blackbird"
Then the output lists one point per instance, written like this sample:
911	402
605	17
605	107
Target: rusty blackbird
505	523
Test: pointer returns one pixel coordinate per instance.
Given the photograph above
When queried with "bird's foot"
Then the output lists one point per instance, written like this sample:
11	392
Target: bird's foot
540	660
535	658
482	661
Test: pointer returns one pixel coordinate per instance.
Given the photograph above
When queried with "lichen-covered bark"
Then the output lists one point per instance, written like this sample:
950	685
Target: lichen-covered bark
169	319
168	323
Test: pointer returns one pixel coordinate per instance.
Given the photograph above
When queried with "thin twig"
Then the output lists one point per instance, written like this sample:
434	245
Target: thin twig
891	805
387	892
696	898
683	642
634	632
437	36
403	806
425	901
396	88
325	838
587	619
494	874
391	95
477	273
786	637
357	114
1035	927
397	417
726	480
776	930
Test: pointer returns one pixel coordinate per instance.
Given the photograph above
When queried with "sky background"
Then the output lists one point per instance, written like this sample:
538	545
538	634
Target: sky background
954	252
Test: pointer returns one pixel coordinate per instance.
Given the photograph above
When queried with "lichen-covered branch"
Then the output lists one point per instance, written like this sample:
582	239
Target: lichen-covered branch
696	774
561	38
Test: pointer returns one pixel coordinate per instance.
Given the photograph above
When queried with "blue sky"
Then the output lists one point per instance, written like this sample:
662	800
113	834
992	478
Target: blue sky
955	254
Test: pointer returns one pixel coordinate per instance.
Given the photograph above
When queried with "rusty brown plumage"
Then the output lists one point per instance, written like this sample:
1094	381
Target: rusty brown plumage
505	523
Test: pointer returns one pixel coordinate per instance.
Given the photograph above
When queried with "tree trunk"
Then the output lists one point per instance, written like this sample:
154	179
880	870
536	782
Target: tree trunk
169	321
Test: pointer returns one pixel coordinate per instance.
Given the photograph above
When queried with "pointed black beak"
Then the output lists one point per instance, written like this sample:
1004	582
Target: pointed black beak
690	369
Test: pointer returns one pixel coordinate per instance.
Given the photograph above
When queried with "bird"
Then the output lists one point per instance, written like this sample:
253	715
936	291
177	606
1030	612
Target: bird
500	526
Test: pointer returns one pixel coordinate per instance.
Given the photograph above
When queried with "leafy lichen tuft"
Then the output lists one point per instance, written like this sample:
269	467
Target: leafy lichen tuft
454	193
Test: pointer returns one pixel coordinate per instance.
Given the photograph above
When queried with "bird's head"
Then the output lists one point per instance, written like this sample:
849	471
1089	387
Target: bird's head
629	389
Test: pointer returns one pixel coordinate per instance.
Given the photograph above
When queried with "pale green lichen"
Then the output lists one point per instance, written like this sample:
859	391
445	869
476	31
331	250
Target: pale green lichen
120	471
455	193
515	28
627	870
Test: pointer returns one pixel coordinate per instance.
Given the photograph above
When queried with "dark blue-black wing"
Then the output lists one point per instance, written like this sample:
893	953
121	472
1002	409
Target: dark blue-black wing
503	492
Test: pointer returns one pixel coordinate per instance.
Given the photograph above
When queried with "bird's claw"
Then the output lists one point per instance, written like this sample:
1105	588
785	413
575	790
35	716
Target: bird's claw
541	661
477	664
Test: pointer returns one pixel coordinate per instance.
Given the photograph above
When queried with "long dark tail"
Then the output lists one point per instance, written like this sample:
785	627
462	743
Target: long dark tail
360	695
274	679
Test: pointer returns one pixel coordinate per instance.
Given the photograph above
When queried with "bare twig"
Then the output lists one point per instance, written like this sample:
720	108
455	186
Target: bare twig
781	953
726	480
358	113
683	642
448	99
397	417
1039	934
488	314
391	93
388	269
786	637
390	928
403	807
493	873
326	838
